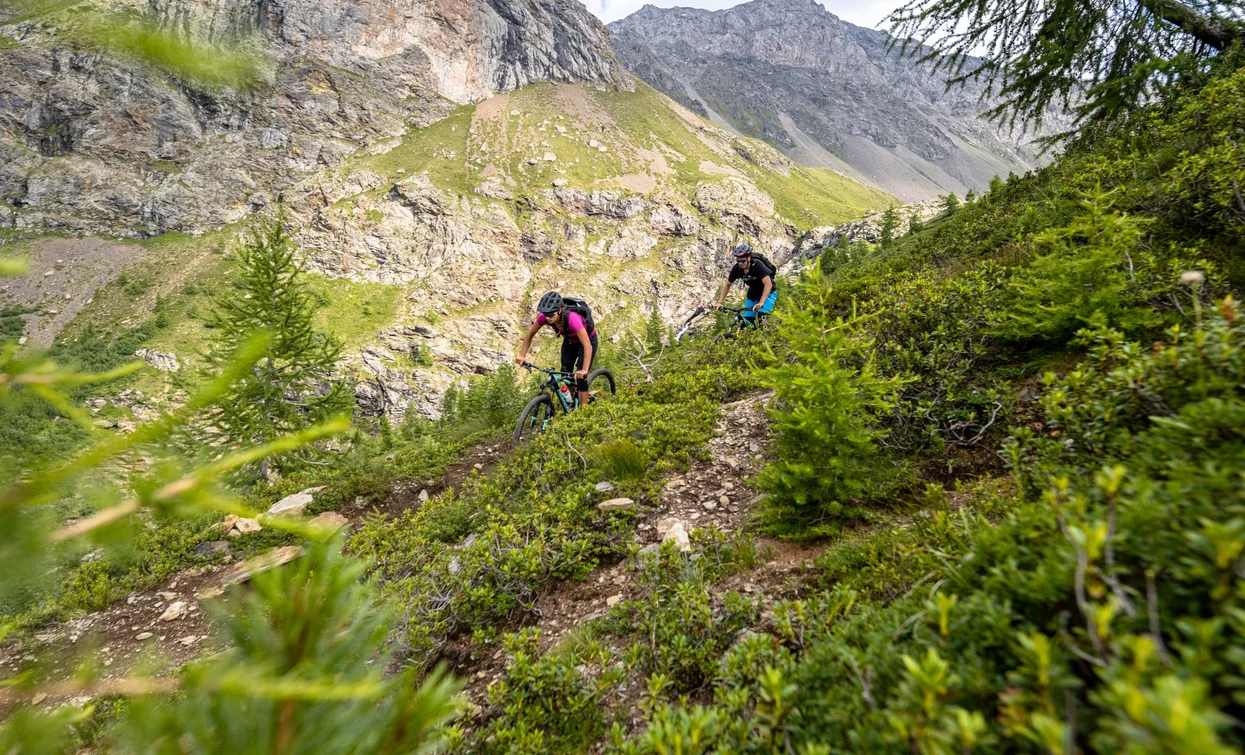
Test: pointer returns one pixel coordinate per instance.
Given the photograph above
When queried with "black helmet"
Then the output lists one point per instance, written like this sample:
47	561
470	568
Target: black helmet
741	251
549	303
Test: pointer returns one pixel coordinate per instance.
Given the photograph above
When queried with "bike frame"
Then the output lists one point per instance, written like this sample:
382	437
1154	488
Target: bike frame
738	323
556	378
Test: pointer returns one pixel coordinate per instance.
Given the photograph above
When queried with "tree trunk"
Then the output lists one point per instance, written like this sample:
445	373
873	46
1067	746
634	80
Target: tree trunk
1193	22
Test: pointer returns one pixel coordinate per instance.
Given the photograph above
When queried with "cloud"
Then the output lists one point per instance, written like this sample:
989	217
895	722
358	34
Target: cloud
867	13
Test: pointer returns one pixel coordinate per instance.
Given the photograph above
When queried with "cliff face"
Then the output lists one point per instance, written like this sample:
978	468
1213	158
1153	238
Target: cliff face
93	144
824	91
465	50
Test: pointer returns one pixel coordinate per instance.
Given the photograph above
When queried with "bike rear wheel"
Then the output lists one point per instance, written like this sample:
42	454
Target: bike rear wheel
534	418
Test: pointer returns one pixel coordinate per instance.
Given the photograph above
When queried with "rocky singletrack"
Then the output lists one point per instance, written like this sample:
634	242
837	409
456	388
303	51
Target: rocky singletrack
714	493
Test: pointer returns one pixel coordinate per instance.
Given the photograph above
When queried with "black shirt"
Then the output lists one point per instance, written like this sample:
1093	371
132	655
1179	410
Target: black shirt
761	268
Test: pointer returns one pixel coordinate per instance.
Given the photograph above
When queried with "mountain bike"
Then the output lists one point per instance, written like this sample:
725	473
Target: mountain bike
738	323
558	391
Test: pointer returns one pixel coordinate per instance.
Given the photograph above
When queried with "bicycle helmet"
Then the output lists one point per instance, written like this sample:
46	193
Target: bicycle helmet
742	251
550	303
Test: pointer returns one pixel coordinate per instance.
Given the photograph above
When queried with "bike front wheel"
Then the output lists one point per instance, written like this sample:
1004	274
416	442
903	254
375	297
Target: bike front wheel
727	334
601	380
534	418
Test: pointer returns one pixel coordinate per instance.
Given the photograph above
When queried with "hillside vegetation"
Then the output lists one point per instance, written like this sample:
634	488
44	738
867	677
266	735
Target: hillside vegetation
1022	426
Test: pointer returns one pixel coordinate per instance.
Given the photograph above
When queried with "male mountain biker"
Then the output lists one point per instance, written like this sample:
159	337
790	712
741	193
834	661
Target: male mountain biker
759	274
572	319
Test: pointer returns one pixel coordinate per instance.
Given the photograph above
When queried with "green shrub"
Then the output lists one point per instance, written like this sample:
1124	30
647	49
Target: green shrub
549	703
1095	271
828	399
682	631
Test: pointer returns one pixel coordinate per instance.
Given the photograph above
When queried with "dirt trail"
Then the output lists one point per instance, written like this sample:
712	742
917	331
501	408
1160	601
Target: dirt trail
713	493
116	639
412	492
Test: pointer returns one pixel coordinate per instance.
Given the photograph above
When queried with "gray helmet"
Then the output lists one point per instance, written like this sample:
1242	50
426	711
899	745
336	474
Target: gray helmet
550	303
742	251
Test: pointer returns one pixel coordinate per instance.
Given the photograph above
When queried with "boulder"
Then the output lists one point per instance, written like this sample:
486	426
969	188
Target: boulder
159	360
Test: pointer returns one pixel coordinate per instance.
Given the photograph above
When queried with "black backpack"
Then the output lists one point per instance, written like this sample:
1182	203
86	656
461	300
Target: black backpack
771	266
581	308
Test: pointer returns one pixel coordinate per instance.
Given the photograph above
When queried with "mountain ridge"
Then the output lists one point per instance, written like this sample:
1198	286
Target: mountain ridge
824	91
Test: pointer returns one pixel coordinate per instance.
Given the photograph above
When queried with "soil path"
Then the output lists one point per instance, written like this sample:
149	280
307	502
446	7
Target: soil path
715	492
161	629
412	492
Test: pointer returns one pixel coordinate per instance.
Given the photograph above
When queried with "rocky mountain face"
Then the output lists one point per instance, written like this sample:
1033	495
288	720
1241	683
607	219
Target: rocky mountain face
825	92
868	229
96	144
626	199
417	164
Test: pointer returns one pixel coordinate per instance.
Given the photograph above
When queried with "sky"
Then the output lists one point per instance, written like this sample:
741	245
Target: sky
867	13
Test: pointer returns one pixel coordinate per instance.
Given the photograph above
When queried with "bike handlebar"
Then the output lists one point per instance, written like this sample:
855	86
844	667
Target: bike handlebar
529	367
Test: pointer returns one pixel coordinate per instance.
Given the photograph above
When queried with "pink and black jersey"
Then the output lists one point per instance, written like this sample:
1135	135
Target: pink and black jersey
574	324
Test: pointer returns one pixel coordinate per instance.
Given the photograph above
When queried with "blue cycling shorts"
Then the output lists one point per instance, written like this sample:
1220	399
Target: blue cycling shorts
767	307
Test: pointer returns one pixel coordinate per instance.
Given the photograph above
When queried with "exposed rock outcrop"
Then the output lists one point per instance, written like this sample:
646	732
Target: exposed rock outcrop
868	229
93	144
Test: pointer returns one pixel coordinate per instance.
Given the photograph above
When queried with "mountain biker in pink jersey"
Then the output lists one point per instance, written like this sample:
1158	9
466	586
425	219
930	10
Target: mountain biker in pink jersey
579	335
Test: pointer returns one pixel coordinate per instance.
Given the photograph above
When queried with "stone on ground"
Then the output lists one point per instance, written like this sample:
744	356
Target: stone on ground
175	611
329	520
678	535
212	548
243	571
235	525
291	505
616	504
665	524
